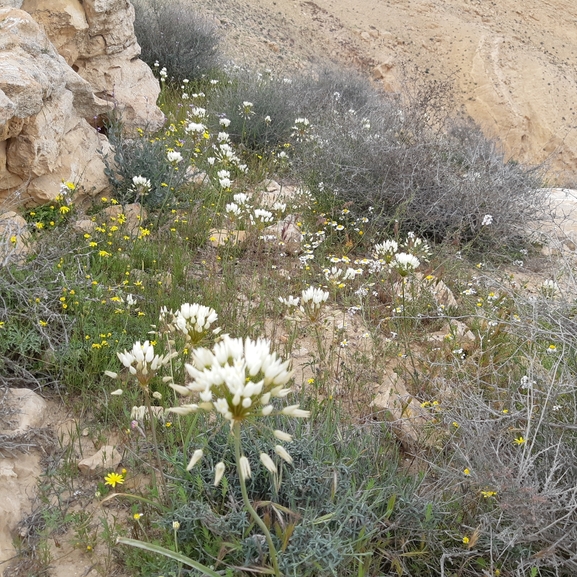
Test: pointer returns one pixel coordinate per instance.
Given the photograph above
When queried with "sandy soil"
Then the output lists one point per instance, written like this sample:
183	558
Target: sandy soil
513	65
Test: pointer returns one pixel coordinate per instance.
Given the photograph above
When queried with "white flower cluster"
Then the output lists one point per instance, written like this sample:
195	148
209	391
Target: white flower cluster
242	210
224	178
311	301
238	380
142	362
194	321
141	185
174	156
246	109
301	129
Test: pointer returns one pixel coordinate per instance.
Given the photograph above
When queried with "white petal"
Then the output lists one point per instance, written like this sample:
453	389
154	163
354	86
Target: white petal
218	473
283	454
282	436
196	457
244	467
268	462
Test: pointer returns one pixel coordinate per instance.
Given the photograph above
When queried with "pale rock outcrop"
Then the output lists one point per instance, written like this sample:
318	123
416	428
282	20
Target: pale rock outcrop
96	37
14	235
45	137
22	411
104	460
65	65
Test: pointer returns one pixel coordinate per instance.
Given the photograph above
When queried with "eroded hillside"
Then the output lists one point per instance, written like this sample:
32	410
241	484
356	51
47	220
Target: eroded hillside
513	67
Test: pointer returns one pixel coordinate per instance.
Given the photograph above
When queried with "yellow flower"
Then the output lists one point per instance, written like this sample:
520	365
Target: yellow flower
487	494
42	323
137	516
13	239
113	479
64	209
520	440
39	225
466	540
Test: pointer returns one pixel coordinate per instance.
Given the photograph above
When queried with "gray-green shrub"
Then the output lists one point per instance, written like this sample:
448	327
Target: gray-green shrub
177	36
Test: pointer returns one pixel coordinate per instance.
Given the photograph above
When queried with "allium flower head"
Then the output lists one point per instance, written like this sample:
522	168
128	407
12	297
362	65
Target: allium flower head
141	184
312	299
195	128
194	321
142	362
260	216
549	288
386	250
405	263
238	379
174	156
246	109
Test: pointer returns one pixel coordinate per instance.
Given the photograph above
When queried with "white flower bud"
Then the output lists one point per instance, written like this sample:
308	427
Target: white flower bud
283	454
218	473
183	409
268	462
282	436
244	468
196	457
180	389
294	411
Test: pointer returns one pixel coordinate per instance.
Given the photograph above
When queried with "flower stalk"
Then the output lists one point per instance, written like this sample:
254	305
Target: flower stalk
247	504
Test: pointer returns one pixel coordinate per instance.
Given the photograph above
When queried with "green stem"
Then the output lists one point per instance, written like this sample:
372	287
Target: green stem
253	513
152	420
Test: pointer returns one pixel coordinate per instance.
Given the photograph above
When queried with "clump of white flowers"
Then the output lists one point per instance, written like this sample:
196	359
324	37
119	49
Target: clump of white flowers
141	185
405	263
311	302
301	129
386	250
142	363
549	288
194	321
174	156
238	380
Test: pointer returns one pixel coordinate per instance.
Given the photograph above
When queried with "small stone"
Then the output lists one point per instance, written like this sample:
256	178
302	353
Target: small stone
105	460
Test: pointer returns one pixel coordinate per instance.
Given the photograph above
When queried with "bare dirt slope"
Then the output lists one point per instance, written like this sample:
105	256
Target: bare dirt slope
514	64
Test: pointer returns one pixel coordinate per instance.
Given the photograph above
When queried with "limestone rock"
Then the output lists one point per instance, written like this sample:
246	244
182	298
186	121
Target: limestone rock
287	233
96	37
409	420
45	138
443	295
222	236
14	237
25	410
135	214
104	460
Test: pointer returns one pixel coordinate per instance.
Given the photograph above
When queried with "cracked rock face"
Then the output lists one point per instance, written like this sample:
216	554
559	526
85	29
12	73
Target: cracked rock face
63	67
